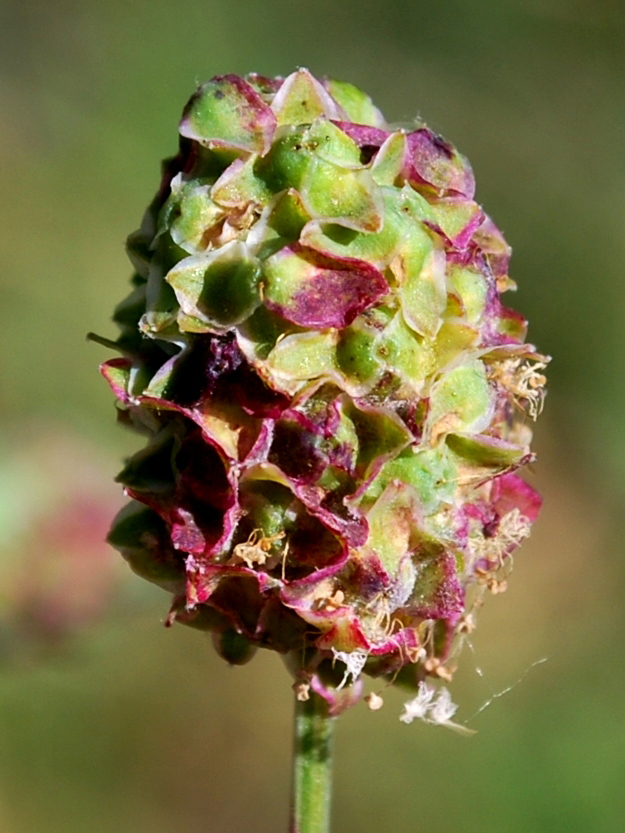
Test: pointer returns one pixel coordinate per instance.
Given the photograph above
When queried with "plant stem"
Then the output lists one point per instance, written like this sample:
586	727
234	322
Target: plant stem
312	766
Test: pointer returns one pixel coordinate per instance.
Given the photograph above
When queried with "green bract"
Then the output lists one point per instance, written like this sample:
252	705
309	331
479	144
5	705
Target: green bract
333	392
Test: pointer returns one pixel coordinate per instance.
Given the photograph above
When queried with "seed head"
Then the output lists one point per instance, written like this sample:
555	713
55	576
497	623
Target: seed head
333	392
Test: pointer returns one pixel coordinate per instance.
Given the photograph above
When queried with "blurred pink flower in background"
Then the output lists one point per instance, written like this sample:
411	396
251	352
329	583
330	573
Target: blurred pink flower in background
57	574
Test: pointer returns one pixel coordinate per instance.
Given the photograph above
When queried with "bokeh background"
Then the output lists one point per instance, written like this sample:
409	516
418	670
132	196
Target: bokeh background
109	722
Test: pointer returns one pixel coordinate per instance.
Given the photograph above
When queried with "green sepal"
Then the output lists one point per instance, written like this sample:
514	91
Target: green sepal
486	451
161	305
461	400
329	143
452	340
405	352
420	272
286	162
239	185
342	195
389	161
142	538
219	288
304	356
356	358
394	520
381	435
227	112
188	215
432	473
357	105
471	286
454	214
259	334
301	99
288	215
232	646
402	211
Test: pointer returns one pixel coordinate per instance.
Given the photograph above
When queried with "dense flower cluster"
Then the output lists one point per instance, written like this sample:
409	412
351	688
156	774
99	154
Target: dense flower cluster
335	396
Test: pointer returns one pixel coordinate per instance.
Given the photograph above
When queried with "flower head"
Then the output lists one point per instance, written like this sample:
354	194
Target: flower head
334	394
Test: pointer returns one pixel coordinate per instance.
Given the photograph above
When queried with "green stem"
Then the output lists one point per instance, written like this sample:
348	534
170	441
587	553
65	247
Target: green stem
312	766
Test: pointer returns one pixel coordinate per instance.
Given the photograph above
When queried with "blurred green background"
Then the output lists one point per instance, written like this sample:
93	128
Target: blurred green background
109	722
